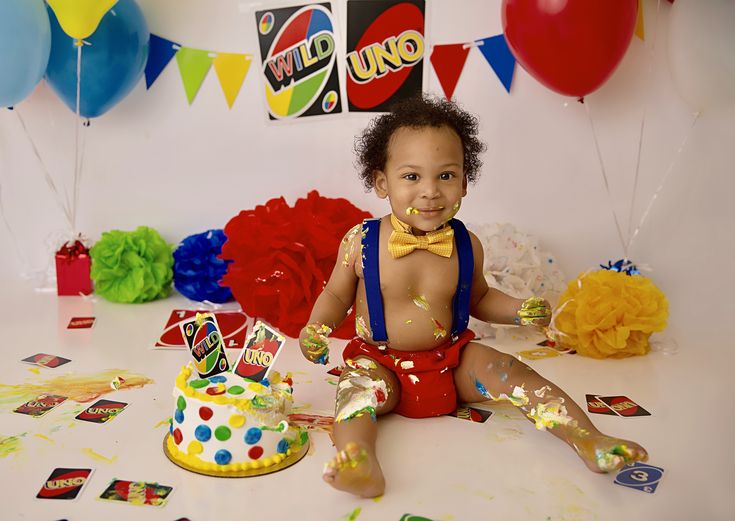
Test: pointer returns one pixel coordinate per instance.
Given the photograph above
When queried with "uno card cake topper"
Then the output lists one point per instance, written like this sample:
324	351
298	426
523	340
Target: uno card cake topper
204	339
261	349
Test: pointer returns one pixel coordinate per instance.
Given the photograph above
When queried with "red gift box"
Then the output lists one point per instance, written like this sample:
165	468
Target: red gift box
72	269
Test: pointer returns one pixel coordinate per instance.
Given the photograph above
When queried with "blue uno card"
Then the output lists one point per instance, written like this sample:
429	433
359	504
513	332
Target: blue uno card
640	476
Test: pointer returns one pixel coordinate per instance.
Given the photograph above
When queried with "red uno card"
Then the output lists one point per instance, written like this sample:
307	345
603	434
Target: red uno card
335	371
64	483
81	323
136	492
233	326
623	406
45	360
101	411
260	352
471	414
41	405
595	405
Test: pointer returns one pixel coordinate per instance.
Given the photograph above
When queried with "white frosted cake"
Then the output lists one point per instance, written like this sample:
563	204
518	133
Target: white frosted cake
225	425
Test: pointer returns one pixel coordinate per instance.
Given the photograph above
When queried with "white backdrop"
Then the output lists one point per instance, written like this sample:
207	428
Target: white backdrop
154	160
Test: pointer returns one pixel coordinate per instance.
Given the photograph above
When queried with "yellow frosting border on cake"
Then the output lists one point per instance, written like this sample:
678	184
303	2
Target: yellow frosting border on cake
214	468
243	404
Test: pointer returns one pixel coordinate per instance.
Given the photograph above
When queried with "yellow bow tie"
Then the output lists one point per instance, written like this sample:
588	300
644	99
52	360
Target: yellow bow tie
402	243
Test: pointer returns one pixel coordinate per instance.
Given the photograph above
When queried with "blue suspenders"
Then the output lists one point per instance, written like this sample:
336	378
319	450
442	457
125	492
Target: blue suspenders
371	272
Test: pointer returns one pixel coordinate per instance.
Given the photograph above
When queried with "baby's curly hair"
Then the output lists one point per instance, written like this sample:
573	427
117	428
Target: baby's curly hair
371	146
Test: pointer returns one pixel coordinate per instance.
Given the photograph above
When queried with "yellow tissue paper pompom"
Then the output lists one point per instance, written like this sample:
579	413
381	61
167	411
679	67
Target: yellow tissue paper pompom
608	314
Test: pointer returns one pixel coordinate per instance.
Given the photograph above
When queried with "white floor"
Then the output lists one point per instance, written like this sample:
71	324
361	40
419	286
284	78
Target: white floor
444	468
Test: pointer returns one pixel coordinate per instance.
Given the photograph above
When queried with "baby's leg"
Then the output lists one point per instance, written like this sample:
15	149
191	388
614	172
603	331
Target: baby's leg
484	373
364	391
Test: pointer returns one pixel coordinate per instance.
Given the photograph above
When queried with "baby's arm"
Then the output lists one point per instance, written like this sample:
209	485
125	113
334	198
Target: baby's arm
490	304
332	305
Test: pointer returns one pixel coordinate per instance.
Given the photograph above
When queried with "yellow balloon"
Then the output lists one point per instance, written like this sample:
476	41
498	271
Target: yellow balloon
80	18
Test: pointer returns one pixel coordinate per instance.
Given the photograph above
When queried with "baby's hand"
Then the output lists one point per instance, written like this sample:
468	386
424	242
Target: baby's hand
535	311
314	343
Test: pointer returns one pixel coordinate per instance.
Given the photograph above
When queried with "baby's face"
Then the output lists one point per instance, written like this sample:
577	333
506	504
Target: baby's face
424	176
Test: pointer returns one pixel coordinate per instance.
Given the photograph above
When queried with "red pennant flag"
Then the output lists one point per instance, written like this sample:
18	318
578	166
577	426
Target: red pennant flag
448	61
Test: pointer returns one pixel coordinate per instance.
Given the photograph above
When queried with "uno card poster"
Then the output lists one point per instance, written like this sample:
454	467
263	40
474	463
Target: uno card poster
385	53
298	60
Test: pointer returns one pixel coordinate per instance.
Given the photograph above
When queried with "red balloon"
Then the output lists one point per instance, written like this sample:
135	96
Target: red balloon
570	46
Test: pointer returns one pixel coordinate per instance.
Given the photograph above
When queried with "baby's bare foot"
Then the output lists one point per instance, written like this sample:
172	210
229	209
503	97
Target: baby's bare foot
604	453
355	470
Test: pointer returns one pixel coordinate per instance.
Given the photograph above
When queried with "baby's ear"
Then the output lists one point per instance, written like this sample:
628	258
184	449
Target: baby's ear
380	183
464	185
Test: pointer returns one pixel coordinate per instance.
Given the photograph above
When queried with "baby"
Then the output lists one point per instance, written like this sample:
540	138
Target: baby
414	277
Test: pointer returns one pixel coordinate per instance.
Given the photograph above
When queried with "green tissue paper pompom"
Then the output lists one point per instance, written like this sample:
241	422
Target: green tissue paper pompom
132	267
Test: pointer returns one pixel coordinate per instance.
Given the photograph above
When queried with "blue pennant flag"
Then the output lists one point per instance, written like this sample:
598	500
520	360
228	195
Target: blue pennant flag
496	52
160	52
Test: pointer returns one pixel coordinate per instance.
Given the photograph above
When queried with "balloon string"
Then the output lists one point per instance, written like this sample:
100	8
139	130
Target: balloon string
623	243
47	176
21	257
75	189
651	57
663	181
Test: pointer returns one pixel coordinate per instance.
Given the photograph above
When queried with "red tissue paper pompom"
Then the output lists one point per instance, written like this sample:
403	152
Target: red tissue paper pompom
282	257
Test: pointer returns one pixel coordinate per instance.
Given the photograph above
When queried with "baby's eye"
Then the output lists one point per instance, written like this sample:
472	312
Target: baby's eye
410	177
446	176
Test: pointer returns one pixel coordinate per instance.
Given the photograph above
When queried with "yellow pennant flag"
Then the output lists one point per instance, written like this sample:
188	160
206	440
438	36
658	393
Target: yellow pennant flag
231	70
639	26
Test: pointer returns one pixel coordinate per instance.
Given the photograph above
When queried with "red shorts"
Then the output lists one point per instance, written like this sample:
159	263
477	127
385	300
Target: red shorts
432	391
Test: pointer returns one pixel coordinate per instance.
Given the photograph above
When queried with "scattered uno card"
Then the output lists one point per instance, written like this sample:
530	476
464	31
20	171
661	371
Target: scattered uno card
623	406
260	352
640	476
204	340
64	483
45	360
472	414
41	405
233	327
81	323
335	371
136	492
414	517
539	354
595	405
102	411
556	347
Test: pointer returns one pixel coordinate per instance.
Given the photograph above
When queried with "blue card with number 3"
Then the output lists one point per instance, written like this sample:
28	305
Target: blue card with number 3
640	476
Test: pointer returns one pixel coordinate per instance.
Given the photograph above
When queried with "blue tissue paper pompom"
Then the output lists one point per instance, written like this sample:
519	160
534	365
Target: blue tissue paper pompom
197	268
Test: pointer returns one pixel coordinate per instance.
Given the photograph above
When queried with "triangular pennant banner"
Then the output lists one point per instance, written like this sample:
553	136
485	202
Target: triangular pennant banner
496	52
231	70
194	65
448	61
640	30
160	52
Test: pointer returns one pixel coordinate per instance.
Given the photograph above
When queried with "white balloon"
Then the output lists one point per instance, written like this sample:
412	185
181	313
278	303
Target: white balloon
701	51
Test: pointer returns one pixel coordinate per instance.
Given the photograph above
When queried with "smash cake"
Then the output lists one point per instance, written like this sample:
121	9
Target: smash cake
225	425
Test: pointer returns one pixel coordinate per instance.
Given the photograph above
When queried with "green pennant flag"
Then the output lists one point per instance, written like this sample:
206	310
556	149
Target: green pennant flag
194	65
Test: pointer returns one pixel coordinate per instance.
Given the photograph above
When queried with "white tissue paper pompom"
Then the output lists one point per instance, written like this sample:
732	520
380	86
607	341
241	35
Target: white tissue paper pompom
516	265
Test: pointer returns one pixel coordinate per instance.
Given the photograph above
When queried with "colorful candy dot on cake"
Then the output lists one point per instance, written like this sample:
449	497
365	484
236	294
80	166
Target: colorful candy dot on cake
253	435
181	403
177	436
282	447
198	384
179	416
217	379
205	413
218	389
236	421
236	389
303	437
170	426
222	457
264	382
222	433
256	388
195	447
255	452
202	433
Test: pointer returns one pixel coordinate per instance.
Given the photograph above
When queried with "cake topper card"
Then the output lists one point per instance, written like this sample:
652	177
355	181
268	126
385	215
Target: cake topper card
204	340
261	349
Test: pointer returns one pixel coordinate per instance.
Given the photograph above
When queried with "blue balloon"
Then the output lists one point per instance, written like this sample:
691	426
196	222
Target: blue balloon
25	42
111	65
